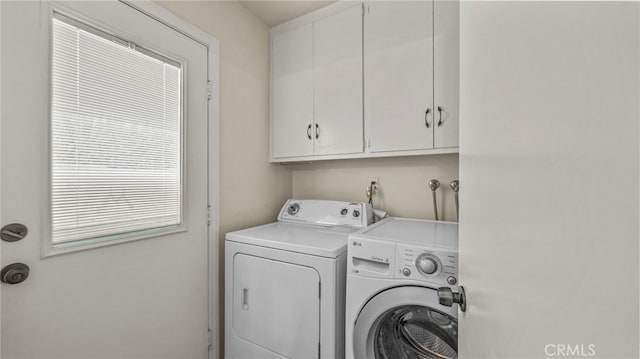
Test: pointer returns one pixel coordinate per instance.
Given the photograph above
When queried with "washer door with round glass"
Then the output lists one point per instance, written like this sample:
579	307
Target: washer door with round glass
406	323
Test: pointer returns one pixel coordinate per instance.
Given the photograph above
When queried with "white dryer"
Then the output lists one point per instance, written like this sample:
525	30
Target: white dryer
285	282
394	270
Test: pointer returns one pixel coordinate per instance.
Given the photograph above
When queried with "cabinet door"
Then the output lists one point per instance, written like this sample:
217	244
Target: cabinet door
446	37
398	75
276	306
338	83
292	93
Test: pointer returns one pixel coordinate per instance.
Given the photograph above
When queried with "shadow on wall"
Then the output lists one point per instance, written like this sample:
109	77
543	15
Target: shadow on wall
403	188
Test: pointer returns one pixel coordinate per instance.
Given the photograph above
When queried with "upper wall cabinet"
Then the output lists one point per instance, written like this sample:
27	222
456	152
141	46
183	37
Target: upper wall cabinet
372	80
411	75
316	93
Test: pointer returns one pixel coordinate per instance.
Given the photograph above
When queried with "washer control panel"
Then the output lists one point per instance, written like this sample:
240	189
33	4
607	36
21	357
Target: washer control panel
427	264
333	213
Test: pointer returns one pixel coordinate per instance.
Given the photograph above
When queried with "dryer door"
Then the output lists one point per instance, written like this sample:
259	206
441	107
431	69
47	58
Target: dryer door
406	322
276	306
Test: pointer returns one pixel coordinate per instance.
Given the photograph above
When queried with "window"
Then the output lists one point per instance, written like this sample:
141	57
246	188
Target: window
116	137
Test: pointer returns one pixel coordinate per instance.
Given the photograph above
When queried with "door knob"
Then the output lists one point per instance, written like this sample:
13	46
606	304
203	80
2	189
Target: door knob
447	297
14	273
13	232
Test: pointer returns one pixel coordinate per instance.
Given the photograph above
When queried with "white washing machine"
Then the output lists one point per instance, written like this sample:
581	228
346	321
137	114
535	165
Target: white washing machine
394	270
285	282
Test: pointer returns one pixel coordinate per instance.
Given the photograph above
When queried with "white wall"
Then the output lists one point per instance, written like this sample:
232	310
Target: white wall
251	189
403	189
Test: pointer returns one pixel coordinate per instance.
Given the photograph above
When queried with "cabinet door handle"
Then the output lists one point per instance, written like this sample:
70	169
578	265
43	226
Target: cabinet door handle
440	114
317	131
309	131
426	118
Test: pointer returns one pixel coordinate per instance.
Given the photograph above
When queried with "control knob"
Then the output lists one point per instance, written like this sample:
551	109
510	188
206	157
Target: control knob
344	211
427	264
356	213
293	209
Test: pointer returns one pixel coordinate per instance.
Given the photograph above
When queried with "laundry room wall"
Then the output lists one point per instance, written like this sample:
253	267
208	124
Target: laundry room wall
251	189
403	189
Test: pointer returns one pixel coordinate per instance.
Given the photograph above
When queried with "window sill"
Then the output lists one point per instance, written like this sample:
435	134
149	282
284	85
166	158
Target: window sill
55	249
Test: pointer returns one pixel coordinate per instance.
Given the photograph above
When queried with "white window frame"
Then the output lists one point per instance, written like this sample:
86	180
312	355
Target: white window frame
117	238
162	15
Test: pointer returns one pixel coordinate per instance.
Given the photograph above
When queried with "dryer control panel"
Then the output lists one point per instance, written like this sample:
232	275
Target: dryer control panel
422	263
332	213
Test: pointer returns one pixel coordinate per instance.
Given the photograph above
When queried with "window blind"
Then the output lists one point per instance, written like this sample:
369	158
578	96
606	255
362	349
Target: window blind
116	139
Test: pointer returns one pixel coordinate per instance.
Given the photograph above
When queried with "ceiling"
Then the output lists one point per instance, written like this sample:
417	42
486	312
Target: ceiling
276	12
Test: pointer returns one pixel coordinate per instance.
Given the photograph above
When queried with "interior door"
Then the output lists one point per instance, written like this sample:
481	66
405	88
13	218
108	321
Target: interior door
140	299
337	54
398	75
276	306
549	140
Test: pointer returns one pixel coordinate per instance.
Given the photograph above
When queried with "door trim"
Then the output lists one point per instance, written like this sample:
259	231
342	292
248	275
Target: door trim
166	17
213	58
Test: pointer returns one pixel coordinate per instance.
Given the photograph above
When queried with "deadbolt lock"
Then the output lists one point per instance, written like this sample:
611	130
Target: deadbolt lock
13	232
